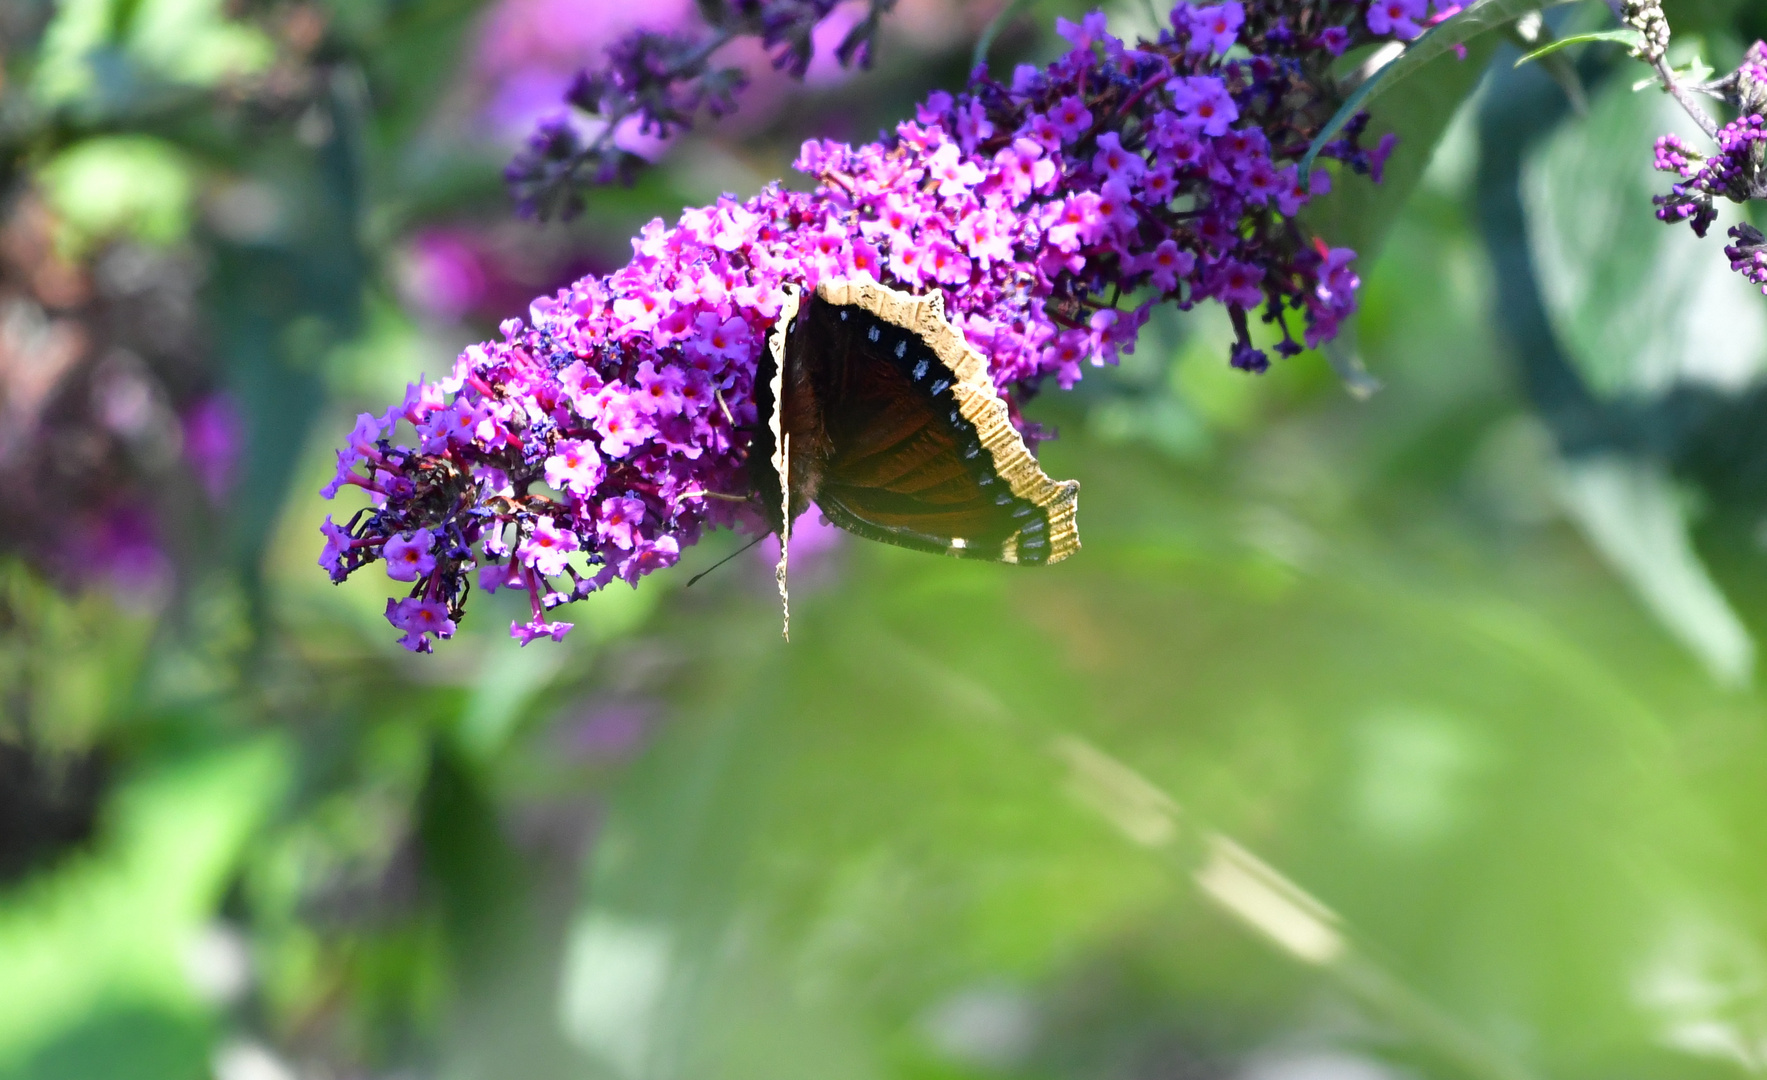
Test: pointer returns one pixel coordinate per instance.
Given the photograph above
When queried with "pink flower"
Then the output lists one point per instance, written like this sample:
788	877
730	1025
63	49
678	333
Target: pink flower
1091	28
641	311
1260	182
1183	151
1043	131
1065	355
727	339
1023	168
633	393
420	619
1397	17
367	431
500	575
861	258
697	395
1074	220
659	392
1158	187
1337	281
421	399
535	629
1239	283
546	548
894	223
980	234
580	384
619	420
1206	103
1071	118
944	263
619	521
1114	213
337	542
1115	163
1289	196
649	556
409	557
706	288
458	425
1166	264
907	264
973	126
575	467
956	175
1216	29
735	226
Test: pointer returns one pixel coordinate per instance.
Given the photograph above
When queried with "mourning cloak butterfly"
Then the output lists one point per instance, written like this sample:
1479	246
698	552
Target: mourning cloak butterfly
882	415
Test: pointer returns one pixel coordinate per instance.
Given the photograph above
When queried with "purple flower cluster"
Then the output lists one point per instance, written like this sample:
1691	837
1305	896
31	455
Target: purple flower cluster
1734	172
604	435
656	82
1738	171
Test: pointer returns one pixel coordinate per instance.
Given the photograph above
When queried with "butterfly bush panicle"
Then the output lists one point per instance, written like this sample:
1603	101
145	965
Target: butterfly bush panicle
596	440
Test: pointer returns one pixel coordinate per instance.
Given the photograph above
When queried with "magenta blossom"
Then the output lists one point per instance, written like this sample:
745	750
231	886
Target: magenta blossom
1216	29
1400	18
212	440
575	467
409	557
422	621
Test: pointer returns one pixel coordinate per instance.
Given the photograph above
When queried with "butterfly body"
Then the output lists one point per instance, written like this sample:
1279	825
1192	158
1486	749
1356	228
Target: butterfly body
882	415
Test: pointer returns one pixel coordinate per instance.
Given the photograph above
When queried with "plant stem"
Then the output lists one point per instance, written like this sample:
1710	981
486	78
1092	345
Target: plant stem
1666	75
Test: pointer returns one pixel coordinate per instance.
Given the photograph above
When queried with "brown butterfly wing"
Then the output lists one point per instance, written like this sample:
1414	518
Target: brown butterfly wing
904	463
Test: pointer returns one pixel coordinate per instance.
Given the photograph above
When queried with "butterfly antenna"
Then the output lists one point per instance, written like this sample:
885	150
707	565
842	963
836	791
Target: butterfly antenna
727	558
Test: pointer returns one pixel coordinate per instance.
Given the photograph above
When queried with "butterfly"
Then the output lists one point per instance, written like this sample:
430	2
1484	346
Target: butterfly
879	412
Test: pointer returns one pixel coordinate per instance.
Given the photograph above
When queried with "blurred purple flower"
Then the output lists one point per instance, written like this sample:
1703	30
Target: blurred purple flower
443	273
609	729
814	541
659	77
121	547
212	440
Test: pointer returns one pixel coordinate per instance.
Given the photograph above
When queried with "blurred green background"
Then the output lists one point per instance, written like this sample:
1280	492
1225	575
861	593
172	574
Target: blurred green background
1375	733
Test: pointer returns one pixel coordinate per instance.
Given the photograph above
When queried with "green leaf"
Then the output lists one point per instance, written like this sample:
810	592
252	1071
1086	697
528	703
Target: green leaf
1478	19
121	185
1358	213
1630	38
112	929
1638	306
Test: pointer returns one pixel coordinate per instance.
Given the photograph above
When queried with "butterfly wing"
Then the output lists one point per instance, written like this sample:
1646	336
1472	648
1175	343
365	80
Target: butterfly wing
920	451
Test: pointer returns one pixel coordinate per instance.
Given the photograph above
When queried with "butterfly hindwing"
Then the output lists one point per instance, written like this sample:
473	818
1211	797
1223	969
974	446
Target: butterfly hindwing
918	449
